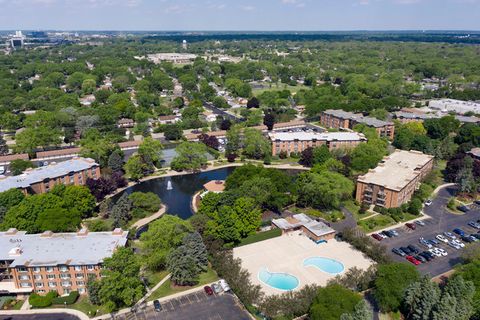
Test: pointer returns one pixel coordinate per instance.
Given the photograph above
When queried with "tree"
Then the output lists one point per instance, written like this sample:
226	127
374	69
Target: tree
256	145
18	166
269	121
190	156
77	198
135	168
332	301
465	178
468	133
420	299
147	201
209	141
115	161
253	103
40	137
173	132
220	102
162	235
233	140
367	155
196	249
391	282
3	147
121	211
442	127
362	311
463	292
182	267
380	114
150	151
58	220
323	190
93	288
11	198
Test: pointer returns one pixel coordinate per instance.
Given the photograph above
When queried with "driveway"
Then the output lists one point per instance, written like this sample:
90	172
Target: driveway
193	306
441	220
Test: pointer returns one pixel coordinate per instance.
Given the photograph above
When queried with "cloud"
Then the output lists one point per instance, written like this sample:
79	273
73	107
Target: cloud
247	8
296	3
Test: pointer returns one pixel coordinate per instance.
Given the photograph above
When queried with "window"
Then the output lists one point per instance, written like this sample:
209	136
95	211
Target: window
90	267
36	269
82	290
78	268
50	276
38	277
64	276
52	284
49	269
41	291
63	269
79	275
80	283
66	291
66	284
25	277
25	284
21	269
39	284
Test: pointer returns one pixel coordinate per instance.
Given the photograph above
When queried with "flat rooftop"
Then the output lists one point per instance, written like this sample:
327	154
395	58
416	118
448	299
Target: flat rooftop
369	121
311	135
396	170
52	171
51	249
458	106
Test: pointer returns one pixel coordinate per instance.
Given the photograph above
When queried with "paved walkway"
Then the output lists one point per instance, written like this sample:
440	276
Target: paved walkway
152	290
140	223
80	315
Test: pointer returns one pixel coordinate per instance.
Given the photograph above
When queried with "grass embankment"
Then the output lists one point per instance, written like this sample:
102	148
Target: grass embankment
260	236
167	288
332	215
83	305
382	221
355	210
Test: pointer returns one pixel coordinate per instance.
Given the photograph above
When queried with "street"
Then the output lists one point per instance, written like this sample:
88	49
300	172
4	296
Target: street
441	220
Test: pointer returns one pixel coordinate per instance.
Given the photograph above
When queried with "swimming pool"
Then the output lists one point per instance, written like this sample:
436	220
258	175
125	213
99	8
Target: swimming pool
327	265
280	281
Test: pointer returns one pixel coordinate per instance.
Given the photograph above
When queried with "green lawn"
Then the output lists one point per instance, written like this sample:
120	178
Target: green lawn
261	236
86	307
332	216
382	221
18	305
280	86
354	209
166	289
155	277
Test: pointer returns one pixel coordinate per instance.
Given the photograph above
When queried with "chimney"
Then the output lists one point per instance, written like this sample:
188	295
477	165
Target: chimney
117	232
16	251
11	232
46	234
82	232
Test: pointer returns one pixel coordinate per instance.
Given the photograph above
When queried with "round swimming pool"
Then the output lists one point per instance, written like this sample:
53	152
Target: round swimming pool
327	265
280	281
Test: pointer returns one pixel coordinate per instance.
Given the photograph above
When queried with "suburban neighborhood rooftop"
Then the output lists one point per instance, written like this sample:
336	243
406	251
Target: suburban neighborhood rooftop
369	121
311	135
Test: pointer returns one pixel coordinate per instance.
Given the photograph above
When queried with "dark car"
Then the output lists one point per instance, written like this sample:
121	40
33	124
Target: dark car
463	208
157	306
476	235
459	231
413	249
399	252
406	250
376	236
420	258
208	290
466	239
427	255
389	233
411	225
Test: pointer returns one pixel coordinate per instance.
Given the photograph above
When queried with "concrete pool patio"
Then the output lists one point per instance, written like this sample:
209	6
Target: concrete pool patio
285	254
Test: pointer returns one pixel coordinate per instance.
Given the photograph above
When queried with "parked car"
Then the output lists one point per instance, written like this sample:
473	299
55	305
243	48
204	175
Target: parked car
413	260
381	234
450	235
224	285
420	258
477	202
454	245
413	248
216	288
442	252
387	233
399	252
376	236
459	231
466	239
435	252
411	226
463	208
428	202
394	232
2	169
425	243
420	223
433	242
474	224
476	235
406	250
441	238
427	255
157	306
208	290
474	239
458	243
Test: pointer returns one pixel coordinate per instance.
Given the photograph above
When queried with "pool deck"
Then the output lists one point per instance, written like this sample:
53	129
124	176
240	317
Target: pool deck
286	254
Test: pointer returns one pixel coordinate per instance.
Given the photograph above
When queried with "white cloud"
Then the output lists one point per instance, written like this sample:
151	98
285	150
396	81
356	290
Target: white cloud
247	8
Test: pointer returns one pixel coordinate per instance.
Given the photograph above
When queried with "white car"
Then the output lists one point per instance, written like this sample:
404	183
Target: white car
454	245
428	202
441	238
450	235
381	234
458	243
442	252
435	252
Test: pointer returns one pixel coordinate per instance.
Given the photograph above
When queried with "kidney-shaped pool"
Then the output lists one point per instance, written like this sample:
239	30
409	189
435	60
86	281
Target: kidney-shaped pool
327	265
277	280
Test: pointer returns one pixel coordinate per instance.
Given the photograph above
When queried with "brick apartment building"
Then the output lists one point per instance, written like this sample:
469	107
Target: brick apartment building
60	262
40	180
296	142
393	182
347	120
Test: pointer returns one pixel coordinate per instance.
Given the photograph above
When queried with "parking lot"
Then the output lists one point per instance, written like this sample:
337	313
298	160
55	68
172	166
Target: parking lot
196	305
439	222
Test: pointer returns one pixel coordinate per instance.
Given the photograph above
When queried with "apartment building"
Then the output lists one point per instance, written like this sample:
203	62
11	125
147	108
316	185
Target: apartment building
60	262
347	120
297	141
457	106
75	171
393	182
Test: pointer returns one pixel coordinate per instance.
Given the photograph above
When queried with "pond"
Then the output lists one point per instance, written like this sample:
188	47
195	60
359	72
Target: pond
178	200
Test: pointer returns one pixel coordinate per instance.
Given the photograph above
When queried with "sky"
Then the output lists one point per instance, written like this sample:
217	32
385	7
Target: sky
261	15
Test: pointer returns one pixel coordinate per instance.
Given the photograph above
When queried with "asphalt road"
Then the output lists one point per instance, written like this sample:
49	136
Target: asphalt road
441	220
48	316
197	306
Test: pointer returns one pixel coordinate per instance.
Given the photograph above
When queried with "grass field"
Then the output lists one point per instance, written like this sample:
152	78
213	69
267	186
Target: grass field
86	307
261	236
280	86
167	289
382	221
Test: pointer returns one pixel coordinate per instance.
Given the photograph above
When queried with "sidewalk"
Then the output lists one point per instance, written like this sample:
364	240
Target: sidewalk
140	223
32	312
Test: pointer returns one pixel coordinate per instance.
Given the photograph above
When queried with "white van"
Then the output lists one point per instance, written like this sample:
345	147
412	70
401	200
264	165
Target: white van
224	285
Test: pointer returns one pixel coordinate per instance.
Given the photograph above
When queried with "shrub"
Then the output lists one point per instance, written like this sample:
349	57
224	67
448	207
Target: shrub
38	301
70	299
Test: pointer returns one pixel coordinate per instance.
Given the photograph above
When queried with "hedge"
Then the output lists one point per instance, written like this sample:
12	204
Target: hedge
260	236
70	299
38	301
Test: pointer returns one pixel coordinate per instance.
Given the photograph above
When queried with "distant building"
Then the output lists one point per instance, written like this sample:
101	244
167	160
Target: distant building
40	180
60	262
180	58
393	182
315	230
296	142
126	123
347	120
169	119
457	106
419	116
184	45
87	100
17	41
